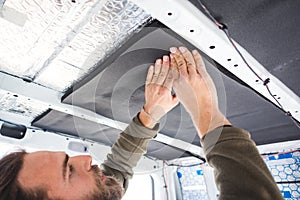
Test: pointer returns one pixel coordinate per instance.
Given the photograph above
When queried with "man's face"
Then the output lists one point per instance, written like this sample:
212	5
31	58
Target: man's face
63	176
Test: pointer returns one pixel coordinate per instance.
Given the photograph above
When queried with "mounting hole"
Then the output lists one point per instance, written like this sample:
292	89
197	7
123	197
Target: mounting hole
229	59
275	95
33	131
236	65
296	111
256	81
73	1
15	95
67	138
170	14
212	47
278	98
192	31
28	99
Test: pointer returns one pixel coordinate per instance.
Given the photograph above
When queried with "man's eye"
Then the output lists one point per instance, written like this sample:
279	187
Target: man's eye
70	170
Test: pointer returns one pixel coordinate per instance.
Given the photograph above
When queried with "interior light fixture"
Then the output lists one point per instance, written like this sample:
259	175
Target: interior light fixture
78	147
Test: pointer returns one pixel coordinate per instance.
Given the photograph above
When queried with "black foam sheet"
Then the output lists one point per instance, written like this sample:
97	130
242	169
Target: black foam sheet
268	30
116	88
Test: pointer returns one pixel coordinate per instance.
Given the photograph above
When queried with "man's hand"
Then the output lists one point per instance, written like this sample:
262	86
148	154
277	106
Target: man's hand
159	99
196	90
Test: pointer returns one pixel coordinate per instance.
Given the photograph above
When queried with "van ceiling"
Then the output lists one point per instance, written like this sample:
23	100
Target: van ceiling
104	58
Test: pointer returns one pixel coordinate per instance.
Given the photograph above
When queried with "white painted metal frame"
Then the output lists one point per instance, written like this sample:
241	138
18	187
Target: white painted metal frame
52	98
187	21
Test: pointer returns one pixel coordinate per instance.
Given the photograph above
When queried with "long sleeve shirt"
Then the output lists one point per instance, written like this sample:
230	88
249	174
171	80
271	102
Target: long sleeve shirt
240	172
128	150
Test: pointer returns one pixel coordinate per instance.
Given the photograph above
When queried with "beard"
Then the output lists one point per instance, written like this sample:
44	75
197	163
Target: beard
109	189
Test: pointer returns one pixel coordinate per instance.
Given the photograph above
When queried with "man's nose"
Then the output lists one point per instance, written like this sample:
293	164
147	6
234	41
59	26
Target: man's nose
85	161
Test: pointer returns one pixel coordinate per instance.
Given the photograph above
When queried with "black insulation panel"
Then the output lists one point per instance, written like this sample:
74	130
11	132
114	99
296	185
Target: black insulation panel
268	30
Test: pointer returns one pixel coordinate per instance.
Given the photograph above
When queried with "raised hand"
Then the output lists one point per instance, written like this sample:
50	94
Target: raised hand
159	99
196	90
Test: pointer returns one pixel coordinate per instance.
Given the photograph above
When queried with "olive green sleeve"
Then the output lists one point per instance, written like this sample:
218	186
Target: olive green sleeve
240	172
128	150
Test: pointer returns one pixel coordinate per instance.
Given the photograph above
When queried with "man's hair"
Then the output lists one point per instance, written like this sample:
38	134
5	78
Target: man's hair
10	188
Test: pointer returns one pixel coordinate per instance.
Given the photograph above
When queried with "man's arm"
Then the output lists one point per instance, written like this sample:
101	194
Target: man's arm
240	172
132	143
239	169
128	150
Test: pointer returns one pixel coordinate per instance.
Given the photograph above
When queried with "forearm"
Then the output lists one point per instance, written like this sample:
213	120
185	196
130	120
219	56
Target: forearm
208	120
128	150
240	171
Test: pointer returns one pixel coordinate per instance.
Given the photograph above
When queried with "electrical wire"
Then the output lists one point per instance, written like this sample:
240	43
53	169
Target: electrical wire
224	28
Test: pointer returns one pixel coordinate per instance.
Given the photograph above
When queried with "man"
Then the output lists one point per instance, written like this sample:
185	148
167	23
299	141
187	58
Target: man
240	171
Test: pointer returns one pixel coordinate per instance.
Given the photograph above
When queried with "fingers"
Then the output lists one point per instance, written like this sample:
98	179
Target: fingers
169	80
173	67
190	62
181	63
149	75
199	63
157	68
164	71
187	62
161	73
